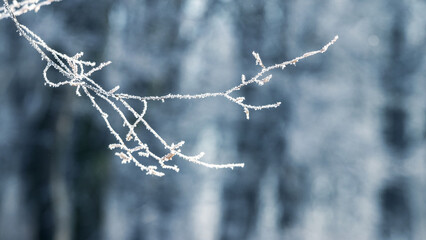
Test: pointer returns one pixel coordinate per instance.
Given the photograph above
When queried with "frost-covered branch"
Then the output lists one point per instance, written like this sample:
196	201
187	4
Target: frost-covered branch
130	148
259	79
21	7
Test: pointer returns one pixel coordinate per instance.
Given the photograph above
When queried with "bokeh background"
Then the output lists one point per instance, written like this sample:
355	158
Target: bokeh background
344	156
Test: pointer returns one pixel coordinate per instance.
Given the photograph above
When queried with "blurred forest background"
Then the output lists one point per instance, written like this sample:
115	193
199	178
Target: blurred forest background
344	156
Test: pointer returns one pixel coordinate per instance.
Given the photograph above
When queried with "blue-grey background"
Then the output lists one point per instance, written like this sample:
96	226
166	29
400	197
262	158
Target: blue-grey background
344	156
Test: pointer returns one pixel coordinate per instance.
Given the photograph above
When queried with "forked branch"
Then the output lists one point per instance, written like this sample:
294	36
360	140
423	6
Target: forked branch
129	148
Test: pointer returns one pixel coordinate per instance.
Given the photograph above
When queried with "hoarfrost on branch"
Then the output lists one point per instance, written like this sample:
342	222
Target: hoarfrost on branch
21	7
130	148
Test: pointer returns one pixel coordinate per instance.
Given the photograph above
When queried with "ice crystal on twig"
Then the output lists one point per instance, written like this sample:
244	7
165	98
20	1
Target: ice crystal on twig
21	7
78	74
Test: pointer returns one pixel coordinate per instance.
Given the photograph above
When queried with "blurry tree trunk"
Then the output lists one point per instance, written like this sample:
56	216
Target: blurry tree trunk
397	211
61	156
241	195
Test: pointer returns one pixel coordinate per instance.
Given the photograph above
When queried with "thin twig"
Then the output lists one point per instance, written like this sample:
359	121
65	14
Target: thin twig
19	8
73	69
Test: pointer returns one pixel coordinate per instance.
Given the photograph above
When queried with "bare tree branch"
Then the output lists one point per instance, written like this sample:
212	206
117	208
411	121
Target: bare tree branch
130	147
